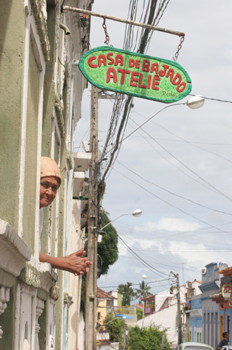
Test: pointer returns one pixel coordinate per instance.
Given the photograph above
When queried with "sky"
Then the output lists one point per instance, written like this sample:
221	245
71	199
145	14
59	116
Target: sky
178	168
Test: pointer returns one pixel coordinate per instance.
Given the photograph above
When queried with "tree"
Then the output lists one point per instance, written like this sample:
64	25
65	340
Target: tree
146	338
108	248
143	290
116	328
108	252
139	314
126	292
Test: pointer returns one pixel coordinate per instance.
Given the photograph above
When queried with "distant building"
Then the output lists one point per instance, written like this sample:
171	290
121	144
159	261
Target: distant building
148	305
223	304
117	297
163	308
105	304
211	285
103	341
193	313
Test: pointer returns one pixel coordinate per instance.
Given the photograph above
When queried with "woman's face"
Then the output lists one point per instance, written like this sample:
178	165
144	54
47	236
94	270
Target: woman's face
48	188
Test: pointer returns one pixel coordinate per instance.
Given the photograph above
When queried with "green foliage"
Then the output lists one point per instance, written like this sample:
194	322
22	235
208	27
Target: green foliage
139	314
108	248
83	293
116	328
143	290
127	293
146	338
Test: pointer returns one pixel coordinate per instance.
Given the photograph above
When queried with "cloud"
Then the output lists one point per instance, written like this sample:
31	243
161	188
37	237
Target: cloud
169	224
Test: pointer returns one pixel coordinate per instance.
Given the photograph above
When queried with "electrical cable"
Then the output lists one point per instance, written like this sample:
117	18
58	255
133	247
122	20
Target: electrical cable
181	210
137	284
142	45
185	166
142	260
214	99
175	194
183	140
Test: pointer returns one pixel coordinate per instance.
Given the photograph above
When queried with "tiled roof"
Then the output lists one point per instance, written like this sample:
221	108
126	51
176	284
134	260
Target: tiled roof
103	295
149	297
140	305
227	272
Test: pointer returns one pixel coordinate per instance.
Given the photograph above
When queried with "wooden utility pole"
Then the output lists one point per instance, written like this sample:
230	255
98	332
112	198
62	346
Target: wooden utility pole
91	278
178	307
178	310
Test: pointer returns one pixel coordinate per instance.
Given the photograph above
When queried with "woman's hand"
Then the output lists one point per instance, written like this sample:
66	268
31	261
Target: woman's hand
73	263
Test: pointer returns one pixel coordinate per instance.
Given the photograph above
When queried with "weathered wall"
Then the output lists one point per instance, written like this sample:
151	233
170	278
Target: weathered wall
12	33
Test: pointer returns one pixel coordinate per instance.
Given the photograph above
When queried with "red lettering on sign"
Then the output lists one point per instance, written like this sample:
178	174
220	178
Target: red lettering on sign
179	88
149	81
101	60
155	67
123	72
170	74
131	62
177	79
137	64
109	56
111	74
163	72
140	82
90	62
146	66
119	59
155	82
133	79
227	289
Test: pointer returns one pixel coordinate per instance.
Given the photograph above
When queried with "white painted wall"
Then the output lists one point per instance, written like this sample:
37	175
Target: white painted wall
165	318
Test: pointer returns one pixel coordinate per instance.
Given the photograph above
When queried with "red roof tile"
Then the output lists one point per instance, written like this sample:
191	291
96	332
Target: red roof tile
150	296
103	295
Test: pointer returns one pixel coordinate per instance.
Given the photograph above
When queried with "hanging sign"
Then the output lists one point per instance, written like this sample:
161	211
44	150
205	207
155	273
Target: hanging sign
135	74
227	291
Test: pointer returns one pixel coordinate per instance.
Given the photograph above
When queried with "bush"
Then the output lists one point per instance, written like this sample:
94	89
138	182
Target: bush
146	338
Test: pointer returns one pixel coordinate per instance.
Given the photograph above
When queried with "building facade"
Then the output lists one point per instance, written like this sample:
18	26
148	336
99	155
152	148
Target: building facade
40	98
211	282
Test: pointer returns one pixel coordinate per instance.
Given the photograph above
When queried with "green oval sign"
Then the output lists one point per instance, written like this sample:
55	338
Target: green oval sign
135	74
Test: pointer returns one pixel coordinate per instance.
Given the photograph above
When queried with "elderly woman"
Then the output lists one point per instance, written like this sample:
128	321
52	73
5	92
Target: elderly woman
50	180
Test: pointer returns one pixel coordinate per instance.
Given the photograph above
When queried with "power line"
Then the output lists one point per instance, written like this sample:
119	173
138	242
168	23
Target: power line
174	194
214	99
137	284
181	210
192	171
183	140
142	260
167	160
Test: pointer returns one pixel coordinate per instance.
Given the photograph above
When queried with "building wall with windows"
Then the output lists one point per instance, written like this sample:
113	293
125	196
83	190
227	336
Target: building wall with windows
211	281
195	319
40	98
105	305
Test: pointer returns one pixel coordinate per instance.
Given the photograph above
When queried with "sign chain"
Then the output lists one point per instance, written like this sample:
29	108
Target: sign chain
107	38
179	47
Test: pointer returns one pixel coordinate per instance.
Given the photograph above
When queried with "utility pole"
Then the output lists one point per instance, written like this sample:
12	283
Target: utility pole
178	307
91	278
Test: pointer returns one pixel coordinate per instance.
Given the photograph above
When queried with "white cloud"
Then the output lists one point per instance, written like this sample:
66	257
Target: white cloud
169	224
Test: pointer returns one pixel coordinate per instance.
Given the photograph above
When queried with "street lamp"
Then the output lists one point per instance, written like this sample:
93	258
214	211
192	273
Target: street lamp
136	213
193	102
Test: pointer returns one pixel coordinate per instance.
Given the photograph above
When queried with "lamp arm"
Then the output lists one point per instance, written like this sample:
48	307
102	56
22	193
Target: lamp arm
114	220
132	132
